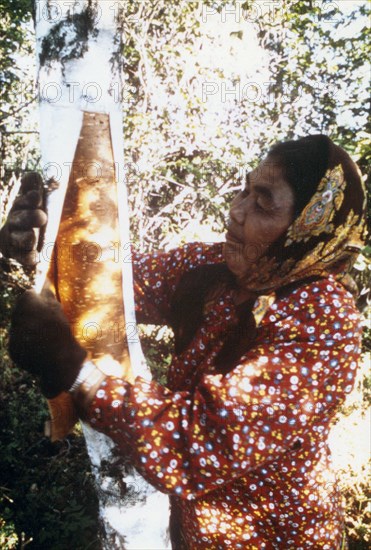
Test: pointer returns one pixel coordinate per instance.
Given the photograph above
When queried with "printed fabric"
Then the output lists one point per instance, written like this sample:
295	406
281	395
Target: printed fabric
242	451
243	455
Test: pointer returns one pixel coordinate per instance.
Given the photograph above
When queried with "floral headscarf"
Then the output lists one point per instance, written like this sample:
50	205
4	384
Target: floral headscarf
325	238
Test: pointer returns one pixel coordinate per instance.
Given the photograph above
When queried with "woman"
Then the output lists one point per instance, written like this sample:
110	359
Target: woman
267	344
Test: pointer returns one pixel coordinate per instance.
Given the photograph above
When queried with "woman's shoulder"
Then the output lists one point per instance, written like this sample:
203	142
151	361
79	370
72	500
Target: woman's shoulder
199	253
323	303
195	253
321	290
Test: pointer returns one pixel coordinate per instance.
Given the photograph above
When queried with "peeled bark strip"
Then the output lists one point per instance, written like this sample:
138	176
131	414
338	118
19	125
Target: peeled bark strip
81	136
88	271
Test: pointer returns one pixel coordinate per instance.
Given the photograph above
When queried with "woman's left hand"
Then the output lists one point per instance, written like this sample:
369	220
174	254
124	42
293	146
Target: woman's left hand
41	342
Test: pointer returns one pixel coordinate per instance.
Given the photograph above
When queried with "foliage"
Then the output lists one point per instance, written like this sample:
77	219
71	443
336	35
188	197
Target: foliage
319	59
14	39
185	152
357	494
80	25
47	497
18	136
157	344
320	69
179	167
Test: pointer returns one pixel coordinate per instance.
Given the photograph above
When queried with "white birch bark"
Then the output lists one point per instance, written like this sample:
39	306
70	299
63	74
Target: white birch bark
78	45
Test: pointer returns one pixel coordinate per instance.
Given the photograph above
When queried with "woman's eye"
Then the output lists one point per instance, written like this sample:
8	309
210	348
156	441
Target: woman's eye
263	206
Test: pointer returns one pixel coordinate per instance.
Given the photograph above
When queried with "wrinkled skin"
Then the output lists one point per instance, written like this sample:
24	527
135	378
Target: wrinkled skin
259	215
41	342
19	237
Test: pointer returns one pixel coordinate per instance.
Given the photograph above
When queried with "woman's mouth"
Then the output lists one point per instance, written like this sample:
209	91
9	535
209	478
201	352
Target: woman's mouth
231	237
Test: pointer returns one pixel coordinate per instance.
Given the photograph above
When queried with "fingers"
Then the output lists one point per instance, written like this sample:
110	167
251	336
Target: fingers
31	192
19	237
31	181
27	259
36	306
26	304
32	199
26	219
22	246
22	241
41	342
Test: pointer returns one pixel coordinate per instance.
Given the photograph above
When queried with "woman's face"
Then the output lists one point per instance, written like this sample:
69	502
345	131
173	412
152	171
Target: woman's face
259	214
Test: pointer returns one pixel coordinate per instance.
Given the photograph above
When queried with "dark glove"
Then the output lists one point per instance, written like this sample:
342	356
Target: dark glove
41	342
19	238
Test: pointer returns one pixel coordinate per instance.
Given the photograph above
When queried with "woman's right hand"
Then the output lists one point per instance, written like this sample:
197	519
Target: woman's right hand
19	237
42	343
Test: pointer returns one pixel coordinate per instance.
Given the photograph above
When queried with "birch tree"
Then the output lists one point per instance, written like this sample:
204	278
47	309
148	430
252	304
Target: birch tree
172	147
79	83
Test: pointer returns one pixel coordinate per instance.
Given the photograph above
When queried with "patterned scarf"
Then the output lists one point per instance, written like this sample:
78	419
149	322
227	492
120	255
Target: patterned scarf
324	239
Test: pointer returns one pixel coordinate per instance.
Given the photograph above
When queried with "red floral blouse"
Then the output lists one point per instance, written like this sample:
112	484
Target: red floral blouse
243	455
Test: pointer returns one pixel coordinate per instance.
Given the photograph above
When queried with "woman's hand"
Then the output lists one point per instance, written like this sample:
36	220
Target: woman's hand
41	342
19	237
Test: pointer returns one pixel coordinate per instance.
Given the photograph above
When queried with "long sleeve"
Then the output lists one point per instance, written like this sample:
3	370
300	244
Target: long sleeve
156	276
283	392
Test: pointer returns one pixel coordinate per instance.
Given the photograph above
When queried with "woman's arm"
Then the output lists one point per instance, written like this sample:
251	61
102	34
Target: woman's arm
156	276
285	389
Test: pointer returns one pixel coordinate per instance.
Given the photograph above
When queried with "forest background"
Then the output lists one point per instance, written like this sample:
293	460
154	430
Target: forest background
209	87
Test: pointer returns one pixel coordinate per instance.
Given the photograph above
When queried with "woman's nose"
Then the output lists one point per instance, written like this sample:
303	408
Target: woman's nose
238	211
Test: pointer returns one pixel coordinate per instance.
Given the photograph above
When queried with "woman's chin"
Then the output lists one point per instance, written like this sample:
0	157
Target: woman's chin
235	262
234	257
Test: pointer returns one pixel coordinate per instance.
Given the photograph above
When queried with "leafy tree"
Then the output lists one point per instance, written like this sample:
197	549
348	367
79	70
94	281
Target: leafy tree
18	136
185	152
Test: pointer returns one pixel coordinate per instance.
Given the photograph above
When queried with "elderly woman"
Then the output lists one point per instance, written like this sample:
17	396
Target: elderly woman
267	341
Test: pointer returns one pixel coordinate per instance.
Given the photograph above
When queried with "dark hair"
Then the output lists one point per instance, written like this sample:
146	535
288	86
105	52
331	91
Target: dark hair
304	162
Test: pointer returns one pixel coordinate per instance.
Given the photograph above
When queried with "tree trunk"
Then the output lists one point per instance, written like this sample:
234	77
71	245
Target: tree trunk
82	151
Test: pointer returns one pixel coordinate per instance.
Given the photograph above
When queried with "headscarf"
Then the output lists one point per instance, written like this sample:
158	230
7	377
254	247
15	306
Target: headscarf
325	237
